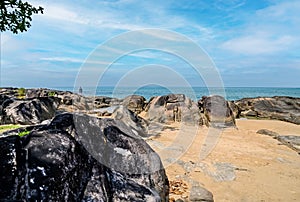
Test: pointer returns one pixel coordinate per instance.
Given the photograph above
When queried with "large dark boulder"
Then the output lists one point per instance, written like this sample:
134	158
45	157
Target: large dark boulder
173	108
137	124
3	98
217	111
28	111
279	107
80	158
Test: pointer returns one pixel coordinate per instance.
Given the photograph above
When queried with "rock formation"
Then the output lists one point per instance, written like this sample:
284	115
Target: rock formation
80	158
132	120
279	107
291	141
173	108
28	111
217	111
135	103
161	109
9	92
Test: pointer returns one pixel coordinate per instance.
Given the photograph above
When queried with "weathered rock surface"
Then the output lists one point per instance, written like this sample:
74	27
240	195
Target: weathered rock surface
217	111
173	108
267	132
43	92
279	107
3	98
102	102
291	141
199	193
69	101
9	92
80	158
135	103
132	120
29	111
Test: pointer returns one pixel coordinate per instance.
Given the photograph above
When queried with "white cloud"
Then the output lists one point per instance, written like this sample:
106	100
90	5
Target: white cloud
75	60
228	5
287	10
272	30
62	59
131	15
61	13
254	45
170	36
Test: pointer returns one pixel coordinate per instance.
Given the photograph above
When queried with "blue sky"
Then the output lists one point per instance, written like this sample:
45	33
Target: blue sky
251	42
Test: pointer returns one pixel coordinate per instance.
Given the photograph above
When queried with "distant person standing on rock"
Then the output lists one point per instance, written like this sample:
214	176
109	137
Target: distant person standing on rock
80	90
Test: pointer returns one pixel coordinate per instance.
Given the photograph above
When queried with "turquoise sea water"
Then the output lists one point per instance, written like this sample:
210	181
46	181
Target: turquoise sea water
231	93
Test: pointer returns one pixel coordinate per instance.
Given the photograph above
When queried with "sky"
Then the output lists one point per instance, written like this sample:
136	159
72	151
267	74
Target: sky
252	43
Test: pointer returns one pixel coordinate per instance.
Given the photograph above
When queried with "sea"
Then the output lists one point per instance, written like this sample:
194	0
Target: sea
195	93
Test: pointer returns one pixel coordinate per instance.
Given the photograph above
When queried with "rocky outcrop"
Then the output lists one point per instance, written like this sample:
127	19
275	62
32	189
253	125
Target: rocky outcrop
69	101
291	141
173	108
267	132
135	103
132	120
9	92
42	92
199	193
279	107
28	111
217	111
159	110
102	102
80	158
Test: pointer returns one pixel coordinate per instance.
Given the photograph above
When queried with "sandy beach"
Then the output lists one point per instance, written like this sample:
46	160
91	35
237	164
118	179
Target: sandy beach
243	166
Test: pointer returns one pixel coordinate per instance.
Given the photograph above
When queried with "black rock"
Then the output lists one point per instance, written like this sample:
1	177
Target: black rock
28	111
80	158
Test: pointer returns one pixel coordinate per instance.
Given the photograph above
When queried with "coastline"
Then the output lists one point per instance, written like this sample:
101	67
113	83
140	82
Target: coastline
231	93
240	157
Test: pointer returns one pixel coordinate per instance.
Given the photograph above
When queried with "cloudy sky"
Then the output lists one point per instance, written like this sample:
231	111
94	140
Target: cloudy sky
251	42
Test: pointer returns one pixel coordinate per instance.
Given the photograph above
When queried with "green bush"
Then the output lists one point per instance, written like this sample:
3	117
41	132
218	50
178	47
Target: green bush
51	94
21	92
23	133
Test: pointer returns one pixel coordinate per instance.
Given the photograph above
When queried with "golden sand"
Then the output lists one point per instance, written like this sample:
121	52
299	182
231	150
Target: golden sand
257	167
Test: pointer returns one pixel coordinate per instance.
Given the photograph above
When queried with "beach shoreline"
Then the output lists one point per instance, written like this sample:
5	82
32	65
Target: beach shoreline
239	163
244	165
